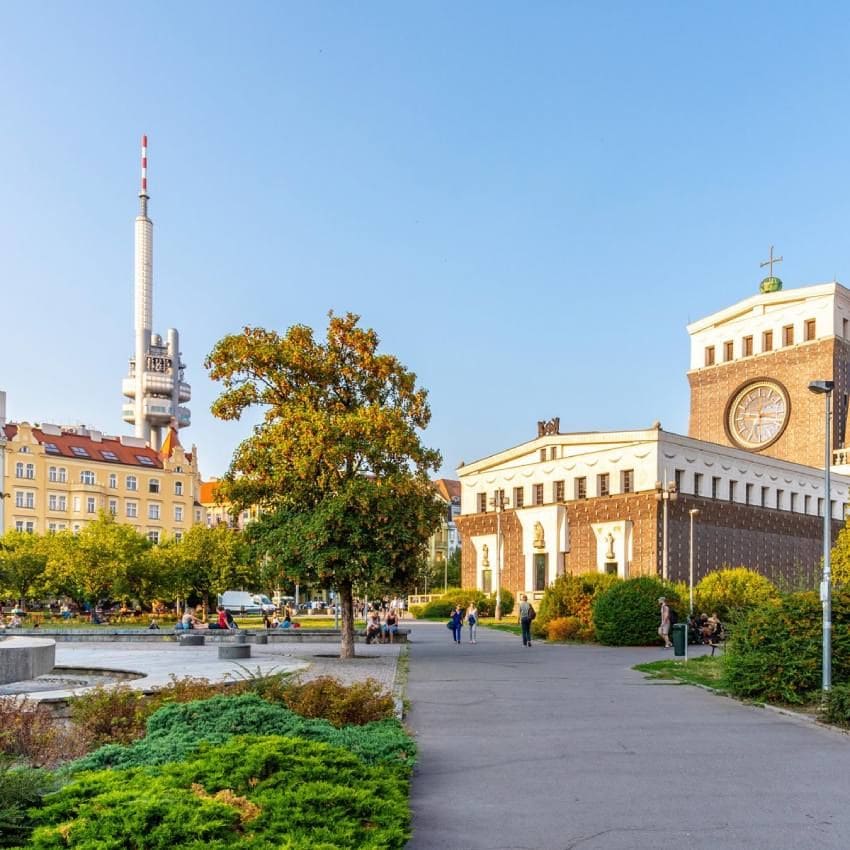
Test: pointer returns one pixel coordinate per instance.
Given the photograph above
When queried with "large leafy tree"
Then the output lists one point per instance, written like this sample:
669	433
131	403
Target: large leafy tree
23	559
337	465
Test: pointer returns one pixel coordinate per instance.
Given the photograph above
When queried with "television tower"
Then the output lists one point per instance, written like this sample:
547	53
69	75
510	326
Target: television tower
154	387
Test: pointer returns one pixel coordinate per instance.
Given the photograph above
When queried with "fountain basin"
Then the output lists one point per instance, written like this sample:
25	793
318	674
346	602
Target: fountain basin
25	658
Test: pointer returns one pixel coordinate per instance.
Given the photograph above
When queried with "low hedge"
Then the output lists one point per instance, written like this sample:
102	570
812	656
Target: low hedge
262	793
176	730
774	652
836	706
443	607
627	613
571	597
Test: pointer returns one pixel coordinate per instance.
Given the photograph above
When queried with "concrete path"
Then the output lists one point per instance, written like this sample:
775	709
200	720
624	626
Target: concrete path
558	747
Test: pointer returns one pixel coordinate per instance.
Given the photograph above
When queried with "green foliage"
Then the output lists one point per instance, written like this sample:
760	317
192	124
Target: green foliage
774	651
23	560
572	596
442	607
341	705
438	608
176	730
267	793
731	591
20	789
417	611
840	558
627	613
836	706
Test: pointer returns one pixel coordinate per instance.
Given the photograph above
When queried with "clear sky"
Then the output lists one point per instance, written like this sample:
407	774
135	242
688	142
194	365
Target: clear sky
528	201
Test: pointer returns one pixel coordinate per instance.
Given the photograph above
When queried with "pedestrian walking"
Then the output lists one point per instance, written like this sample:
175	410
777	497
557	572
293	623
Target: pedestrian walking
472	620
457	623
526	615
664	628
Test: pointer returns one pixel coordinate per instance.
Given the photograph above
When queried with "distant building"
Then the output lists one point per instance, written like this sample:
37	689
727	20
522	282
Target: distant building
445	540
222	513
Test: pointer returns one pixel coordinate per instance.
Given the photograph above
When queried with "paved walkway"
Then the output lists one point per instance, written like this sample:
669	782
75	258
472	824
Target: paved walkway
561	747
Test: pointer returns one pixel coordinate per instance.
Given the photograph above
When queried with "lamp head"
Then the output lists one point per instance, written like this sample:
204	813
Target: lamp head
694	512
821	387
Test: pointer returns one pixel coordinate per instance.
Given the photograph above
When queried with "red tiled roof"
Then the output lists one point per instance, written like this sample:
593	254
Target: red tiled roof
448	488
127	455
208	491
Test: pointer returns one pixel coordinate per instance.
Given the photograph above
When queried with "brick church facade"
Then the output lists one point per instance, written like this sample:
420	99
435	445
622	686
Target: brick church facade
748	477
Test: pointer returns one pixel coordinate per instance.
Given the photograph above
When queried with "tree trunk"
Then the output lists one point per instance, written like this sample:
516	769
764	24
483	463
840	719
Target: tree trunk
346	645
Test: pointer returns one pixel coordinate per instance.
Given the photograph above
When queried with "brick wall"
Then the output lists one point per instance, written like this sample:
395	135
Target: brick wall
794	368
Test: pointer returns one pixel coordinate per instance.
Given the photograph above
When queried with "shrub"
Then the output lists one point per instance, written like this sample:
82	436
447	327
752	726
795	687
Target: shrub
564	628
572	596
417	611
442	608
774	651
247	792
340	705
114	713
438	608
507	602
627	614
836	706
177	729
28	731
731	591
20	789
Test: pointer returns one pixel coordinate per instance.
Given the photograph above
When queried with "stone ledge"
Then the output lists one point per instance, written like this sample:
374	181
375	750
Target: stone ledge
23	658
210	635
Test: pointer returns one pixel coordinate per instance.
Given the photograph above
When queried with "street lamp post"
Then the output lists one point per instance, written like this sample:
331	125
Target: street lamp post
825	389
499	503
693	512
665	493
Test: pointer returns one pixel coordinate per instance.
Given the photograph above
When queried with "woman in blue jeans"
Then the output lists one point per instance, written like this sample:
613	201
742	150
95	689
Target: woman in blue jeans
457	623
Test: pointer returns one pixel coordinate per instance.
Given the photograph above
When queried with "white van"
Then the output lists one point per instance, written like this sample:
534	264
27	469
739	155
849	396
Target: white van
242	602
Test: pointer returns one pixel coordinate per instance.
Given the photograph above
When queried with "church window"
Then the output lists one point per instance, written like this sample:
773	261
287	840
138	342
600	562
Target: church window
820	507
728	351
540	571
748	494
807	504
558	491
697	483
794	502
542	455
487	581
604	484
482	503
627	483
732	487
810	328
678	475
748	346
538	494
553	451
844	328
831	508
788	335
709	355
519	497
715	487
764	491
581	488
779	494
767	341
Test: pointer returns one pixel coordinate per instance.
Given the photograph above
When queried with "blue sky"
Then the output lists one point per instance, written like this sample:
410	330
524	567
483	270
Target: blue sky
527	201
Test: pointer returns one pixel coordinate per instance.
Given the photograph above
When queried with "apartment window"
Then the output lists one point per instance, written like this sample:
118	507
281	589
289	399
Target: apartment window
153	486
132	509
51	526
153	511
113	481
603	484
178	513
678	475
178	488
519	497
76	504
19	470
482	503
779	494
51	473
748	494
24	500
728	351
709	355
79	451
810	327
767	341
178	535
764	491
581	488
86	477
153	536
715	487
30	471
113	507
558	491
788	335
19	525
748	346
52	502
537	495
627	481
51	448
132	482
28	526
90	505
794	502
807	504
733	486
697	483
63	475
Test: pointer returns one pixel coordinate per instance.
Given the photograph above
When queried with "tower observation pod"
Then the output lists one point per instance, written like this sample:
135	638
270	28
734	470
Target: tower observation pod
154	389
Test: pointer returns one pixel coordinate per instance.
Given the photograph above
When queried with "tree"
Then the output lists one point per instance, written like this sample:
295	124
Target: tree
336	466
23	559
213	560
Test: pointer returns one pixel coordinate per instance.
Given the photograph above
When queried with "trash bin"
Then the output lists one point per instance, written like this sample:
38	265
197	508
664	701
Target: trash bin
680	639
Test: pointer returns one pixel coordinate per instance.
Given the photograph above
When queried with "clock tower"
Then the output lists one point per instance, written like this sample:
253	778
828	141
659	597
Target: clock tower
751	365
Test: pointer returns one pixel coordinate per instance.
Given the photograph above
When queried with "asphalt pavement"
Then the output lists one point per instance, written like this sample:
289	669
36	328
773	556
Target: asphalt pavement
557	747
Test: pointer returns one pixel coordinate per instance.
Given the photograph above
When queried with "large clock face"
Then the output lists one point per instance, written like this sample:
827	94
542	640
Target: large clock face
757	414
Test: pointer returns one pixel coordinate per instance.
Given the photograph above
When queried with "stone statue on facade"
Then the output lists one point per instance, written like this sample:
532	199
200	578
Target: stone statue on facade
539	542
548	428
485	555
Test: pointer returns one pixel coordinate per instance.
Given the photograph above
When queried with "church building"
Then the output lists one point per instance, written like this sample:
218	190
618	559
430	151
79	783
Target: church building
747	481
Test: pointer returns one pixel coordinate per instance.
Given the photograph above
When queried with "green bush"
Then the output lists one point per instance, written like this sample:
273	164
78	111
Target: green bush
438	609
836	706
441	608
417	611
177	730
572	596
729	592
774	652
627	613
266	793
20	790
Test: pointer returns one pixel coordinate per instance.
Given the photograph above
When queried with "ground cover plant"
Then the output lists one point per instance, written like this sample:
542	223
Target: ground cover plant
177	729
259	793
627	613
20	789
703	670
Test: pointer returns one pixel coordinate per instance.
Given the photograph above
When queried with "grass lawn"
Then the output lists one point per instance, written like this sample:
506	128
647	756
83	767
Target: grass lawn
705	670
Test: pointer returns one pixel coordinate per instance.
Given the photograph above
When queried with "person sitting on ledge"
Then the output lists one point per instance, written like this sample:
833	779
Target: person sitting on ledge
153	625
